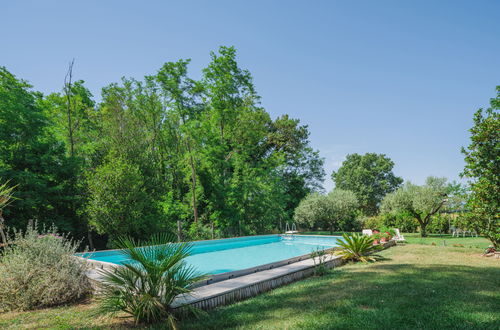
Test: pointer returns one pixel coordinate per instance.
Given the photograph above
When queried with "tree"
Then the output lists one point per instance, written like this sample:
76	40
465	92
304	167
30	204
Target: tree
32	159
302	172
482	158
369	176
336	210
118	203
422	202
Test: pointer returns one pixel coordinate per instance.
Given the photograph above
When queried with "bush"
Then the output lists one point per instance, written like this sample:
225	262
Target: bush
372	222
39	270
440	224
358	247
146	287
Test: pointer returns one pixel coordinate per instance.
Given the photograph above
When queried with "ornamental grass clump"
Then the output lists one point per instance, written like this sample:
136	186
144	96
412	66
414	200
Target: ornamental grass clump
146	286
358	247
38	269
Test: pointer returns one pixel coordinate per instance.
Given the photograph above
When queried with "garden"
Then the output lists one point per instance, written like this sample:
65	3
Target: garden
158	164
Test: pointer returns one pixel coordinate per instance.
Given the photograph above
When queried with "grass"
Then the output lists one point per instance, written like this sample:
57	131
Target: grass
448	240
431	239
416	286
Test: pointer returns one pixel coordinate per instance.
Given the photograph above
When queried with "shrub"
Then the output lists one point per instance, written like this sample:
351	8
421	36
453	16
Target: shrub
440	224
319	257
357	247
146	287
372	222
38	269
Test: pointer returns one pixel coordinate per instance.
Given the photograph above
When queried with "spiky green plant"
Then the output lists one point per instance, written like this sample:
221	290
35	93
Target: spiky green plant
6	197
357	247
145	286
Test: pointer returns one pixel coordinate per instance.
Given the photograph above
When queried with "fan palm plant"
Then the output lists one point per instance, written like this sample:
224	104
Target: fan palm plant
145	286
357	247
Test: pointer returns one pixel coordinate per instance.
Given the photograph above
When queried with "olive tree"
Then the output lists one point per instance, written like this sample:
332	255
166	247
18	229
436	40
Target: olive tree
422	202
333	211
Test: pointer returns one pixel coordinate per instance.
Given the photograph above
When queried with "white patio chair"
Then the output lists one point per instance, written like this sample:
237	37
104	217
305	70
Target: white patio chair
398	237
368	232
455	231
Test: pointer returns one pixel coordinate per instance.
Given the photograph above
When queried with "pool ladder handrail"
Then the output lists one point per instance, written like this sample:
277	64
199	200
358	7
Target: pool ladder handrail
290	230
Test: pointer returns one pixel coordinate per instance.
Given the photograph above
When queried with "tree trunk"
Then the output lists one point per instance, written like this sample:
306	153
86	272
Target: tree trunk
2	232
179	231
423	230
91	241
67	83
193	183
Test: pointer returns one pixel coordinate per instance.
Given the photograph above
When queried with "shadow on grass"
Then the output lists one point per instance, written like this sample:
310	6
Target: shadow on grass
402	296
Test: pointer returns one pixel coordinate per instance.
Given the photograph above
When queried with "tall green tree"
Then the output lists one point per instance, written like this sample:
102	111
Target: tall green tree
235	128
422	202
32	159
482	168
302	170
369	176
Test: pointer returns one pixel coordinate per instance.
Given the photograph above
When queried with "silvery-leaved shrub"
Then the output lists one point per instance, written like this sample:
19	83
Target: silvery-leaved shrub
37	269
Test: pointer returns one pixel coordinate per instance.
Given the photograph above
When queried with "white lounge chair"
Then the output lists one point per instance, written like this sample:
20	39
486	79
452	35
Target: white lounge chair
368	232
398	237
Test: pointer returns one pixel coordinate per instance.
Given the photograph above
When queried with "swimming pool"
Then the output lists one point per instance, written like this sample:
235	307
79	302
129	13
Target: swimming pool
236	254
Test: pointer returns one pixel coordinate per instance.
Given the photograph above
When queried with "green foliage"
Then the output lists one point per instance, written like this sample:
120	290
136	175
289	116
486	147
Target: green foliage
119	203
337	210
145	287
38	269
33	160
319	257
357	247
153	152
421	202
369	176
482	159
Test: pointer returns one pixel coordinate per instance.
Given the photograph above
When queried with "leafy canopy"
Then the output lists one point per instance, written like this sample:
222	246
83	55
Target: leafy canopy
369	176
421	202
336	210
482	158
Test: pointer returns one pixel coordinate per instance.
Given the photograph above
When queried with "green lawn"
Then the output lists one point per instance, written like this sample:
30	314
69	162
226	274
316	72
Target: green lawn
448	240
431	239
417	286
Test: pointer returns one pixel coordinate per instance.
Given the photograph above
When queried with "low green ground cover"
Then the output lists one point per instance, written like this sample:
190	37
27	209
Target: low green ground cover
416	286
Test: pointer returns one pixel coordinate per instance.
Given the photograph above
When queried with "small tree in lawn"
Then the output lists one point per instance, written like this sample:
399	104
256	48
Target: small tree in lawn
328	211
482	167
422	202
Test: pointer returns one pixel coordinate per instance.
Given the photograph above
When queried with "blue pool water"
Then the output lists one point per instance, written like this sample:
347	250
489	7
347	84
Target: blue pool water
226	255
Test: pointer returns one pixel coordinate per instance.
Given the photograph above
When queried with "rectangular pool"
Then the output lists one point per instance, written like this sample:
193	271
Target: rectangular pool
236	254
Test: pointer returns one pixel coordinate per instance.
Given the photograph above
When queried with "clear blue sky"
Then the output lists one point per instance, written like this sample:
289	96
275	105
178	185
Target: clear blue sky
396	77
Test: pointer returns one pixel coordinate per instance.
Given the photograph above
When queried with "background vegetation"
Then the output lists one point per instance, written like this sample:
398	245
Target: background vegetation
200	158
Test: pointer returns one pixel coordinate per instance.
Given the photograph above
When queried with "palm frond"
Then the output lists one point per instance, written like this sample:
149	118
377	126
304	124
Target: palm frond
146	286
357	247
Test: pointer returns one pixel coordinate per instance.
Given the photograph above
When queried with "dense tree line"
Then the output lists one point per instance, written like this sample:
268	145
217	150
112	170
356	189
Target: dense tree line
200	158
